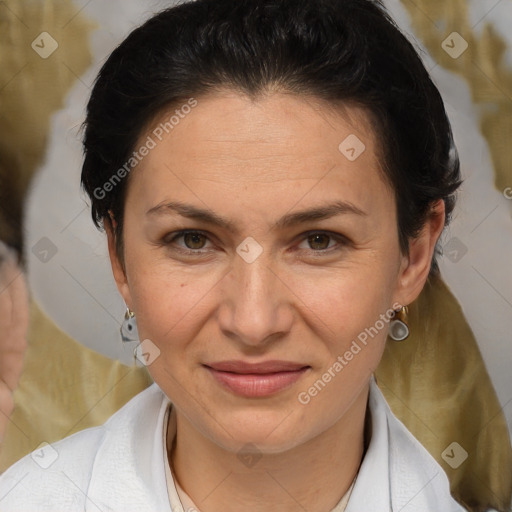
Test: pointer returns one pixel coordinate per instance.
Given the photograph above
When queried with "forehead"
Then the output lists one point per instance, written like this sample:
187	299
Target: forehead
278	147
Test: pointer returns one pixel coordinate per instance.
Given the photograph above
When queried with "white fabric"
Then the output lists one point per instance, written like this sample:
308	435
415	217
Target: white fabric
121	466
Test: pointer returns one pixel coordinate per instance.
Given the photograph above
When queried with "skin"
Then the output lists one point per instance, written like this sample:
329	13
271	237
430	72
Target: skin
253	162
13	331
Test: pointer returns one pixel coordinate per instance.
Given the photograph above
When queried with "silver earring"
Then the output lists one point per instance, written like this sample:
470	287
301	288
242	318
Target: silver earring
129	327
398	328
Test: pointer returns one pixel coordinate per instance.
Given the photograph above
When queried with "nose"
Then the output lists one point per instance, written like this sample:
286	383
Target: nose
256	308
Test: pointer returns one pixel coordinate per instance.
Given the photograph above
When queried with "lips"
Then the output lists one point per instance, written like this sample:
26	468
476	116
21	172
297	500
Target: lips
252	380
273	366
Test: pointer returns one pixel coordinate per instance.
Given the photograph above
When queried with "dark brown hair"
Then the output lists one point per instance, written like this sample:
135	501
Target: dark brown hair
337	50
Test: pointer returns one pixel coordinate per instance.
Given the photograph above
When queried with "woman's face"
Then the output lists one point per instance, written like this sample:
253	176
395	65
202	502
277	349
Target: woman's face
271	282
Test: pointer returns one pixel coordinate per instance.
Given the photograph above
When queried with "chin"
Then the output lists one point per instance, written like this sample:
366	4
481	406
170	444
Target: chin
261	444
269	433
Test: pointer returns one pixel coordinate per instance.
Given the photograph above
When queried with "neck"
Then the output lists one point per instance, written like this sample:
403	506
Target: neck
312	476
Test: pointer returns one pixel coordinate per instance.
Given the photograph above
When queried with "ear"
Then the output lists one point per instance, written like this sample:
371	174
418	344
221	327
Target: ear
415	268
117	268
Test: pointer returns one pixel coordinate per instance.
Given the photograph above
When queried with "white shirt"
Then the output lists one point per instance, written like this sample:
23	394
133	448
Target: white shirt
121	466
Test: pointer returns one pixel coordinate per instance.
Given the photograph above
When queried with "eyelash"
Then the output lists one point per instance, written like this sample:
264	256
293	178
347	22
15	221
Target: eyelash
343	241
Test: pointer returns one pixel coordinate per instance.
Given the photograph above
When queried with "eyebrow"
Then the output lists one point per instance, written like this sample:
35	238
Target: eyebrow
290	219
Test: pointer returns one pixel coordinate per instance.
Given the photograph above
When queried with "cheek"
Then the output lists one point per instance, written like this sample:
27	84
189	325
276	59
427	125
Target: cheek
346	310
344	301
170	301
161	305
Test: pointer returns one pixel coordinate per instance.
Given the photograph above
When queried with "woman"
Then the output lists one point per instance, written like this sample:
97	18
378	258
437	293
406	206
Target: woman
273	177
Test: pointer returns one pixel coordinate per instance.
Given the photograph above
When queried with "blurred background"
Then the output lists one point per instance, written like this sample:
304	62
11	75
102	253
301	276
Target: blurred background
51	51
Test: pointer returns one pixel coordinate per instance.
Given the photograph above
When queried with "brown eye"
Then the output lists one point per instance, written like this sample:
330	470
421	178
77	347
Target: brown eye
319	241
193	240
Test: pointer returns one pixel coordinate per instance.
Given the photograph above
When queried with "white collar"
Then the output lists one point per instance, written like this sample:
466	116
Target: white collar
128	471
397	472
